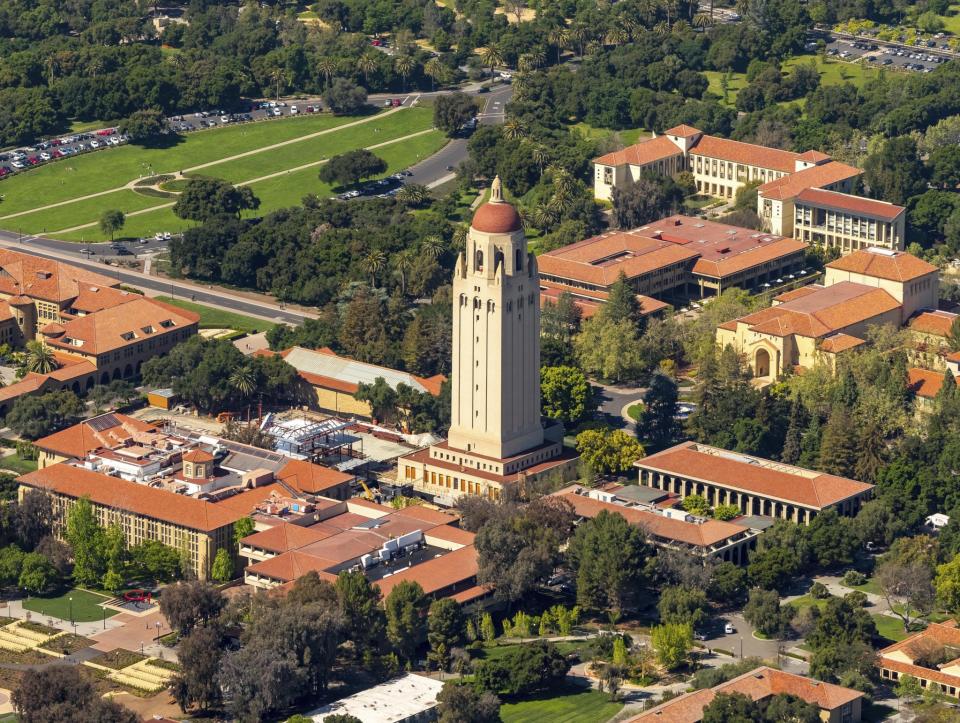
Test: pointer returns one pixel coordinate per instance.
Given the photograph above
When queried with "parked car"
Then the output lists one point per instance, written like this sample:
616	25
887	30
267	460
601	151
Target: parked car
729	629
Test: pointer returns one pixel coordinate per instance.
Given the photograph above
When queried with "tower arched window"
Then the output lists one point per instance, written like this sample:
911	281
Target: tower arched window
478	263
518	260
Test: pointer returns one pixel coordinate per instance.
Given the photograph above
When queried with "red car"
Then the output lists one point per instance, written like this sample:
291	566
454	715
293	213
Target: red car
396	102
57	154
376	42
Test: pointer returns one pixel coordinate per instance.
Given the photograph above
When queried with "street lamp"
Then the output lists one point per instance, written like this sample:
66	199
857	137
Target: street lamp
158	631
71	609
104	618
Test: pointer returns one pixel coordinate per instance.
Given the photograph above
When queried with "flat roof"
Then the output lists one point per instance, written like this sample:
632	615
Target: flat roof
397	700
848	203
325	364
755	475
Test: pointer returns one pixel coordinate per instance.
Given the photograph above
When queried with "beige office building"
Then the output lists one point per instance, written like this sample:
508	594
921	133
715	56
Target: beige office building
496	433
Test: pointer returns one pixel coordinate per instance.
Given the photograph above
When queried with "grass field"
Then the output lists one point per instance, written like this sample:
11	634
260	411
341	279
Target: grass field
832	72
118	166
86	606
889	627
806	601
871	587
213	318
951	21
13	463
569	706
629	136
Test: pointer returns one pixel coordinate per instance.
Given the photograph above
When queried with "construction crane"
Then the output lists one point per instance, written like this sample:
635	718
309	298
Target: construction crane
366	490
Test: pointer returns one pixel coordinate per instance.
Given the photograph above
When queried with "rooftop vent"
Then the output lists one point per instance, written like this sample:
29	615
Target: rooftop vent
881	252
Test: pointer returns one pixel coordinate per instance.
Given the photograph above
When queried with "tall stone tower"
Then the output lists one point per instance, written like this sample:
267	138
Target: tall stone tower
497	437
496	337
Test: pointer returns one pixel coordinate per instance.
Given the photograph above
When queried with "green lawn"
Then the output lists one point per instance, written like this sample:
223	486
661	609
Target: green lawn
889	627
565	647
110	169
629	136
85	605
569	706
286	189
870	587
806	601
951	21
213	318
832	72
81	212
634	411
13	463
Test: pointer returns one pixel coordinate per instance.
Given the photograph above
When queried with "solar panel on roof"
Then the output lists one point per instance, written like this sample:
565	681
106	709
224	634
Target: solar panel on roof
101	423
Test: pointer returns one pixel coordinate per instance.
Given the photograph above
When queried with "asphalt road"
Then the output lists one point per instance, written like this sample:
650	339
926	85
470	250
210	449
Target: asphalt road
892	57
441	165
213	296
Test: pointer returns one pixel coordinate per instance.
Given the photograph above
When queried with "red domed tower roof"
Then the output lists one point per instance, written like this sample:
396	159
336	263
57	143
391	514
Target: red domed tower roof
496	216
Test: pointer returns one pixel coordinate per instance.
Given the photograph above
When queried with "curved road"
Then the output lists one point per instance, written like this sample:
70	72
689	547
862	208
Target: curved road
430	172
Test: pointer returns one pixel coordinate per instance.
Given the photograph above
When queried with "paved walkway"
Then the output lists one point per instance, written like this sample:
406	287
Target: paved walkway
201	166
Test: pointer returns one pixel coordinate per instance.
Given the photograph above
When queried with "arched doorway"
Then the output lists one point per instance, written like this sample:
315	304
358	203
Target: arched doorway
116	373
105	378
761	366
89	383
128	371
75	387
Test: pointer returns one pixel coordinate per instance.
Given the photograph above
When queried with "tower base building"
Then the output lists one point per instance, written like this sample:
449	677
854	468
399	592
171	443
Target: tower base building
497	437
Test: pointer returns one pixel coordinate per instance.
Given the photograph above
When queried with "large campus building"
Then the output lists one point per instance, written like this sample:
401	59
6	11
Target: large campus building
813	324
836	703
328	381
757	486
177	487
97	332
804	195
931	656
675	258
497	435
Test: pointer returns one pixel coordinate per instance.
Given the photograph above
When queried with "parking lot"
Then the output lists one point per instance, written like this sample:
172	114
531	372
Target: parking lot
918	59
53	149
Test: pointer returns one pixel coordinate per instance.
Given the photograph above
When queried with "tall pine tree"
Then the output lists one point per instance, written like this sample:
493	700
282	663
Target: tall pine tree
794	438
659	427
622	304
838	448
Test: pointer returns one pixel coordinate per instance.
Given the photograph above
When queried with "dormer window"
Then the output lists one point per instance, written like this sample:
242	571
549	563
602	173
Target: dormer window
147	329
128	336
167	324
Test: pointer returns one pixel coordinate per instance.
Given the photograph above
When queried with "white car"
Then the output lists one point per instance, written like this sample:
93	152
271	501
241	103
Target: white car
729	629
45	156
224	119
294	110
17	164
277	112
94	144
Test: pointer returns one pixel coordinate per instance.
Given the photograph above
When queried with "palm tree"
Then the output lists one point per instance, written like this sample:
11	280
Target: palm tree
537	56
514	129
524	63
491	57
580	34
459	238
404	263
434	70
543	217
412	193
662	28
702	20
244	380
521	83
327	67
276	76
559	37
39	358
540	156
404	66
617	36
373	264
681	28
366	64
433	246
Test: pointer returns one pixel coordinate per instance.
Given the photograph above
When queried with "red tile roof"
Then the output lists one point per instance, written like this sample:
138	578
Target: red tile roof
704	534
820	176
937	322
883	264
748	154
312	478
104	331
758	684
45	279
458	567
284	536
771	480
107	430
640	154
142	500
847	203
683	131
925	383
291	565
197	455
825	311
496	217
945	634
837	343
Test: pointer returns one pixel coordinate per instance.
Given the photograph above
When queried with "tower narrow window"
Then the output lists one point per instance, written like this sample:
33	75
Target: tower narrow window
479	260
518	264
